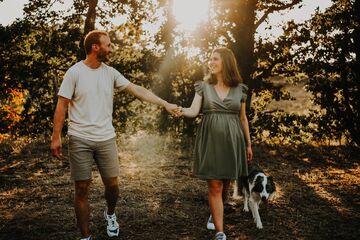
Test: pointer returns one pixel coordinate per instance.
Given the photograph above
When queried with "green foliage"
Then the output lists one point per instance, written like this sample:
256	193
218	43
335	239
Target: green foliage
279	126
30	66
324	49
326	52
36	51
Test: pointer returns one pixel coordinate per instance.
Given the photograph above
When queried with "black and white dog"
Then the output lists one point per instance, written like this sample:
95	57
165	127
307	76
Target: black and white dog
256	188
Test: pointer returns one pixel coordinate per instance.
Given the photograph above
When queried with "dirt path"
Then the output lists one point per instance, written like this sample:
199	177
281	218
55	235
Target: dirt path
318	194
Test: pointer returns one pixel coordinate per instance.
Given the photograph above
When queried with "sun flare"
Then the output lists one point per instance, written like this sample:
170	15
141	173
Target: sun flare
190	13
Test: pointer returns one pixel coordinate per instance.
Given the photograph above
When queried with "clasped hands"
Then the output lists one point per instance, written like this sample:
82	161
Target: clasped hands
174	110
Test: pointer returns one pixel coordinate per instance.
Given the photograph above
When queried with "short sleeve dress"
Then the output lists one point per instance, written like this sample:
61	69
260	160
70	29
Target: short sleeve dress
220	148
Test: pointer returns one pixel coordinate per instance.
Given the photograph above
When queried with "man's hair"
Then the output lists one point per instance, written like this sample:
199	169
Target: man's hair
230	70
93	37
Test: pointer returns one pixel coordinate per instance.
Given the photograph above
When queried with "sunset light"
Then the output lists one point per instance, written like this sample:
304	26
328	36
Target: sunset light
189	13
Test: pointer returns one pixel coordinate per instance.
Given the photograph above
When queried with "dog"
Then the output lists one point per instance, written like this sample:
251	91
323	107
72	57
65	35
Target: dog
256	188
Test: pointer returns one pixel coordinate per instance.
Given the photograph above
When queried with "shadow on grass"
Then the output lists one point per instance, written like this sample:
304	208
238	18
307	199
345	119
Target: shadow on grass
316	206
318	196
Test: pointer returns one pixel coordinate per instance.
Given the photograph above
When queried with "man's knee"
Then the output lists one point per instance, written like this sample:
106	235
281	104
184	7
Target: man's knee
111	184
82	189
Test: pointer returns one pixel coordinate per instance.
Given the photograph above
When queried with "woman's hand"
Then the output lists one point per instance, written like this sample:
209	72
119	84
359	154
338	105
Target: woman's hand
171	108
179	111
249	153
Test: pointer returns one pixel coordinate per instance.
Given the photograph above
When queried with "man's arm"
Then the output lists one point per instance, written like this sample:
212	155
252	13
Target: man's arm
146	95
59	118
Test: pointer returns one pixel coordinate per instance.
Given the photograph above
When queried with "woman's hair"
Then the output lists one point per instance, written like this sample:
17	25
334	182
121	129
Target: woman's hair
230	70
93	37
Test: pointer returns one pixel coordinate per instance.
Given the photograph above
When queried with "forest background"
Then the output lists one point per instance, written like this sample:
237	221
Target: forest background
303	84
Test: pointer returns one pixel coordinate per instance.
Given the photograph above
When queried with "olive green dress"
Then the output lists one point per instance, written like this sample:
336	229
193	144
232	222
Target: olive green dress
220	148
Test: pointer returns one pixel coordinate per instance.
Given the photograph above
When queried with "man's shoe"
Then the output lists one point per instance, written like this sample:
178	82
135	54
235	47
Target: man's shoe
210	224
112	228
220	236
88	238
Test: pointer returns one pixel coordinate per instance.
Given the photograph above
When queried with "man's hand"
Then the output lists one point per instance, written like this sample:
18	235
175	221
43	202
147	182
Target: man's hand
59	118
56	147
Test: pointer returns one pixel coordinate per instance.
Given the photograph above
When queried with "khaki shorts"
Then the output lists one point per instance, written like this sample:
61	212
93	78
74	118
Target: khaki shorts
83	153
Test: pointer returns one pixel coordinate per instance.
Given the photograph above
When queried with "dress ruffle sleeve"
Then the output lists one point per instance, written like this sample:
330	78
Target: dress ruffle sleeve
199	87
244	90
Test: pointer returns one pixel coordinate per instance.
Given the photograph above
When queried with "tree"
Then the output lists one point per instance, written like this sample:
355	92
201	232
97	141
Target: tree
326	50
37	50
241	21
332	64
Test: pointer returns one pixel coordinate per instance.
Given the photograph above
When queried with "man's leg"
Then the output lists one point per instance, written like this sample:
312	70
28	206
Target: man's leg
111	193
81	160
82	208
111	196
106	157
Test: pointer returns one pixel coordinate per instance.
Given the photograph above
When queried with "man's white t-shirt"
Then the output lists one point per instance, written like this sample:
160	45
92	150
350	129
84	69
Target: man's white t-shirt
91	93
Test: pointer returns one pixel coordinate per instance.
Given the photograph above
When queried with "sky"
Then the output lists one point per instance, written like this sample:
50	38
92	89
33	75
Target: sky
12	9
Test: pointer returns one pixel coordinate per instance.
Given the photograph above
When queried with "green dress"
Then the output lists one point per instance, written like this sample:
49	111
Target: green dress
220	148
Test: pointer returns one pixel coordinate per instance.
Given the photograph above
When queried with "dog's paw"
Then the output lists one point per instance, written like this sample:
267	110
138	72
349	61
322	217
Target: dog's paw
246	209
236	197
259	225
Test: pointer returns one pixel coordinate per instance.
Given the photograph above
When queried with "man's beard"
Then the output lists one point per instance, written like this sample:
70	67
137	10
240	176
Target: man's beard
102	56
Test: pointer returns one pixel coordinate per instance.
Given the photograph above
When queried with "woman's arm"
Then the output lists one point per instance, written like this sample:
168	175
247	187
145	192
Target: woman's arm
194	109
245	127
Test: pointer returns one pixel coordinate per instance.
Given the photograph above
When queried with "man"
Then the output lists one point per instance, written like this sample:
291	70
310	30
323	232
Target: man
87	93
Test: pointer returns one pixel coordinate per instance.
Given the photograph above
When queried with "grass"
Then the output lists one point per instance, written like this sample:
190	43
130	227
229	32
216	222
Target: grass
318	193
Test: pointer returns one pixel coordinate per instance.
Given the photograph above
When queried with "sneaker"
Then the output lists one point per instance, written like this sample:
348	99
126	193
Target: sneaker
112	228
88	238
220	236
210	224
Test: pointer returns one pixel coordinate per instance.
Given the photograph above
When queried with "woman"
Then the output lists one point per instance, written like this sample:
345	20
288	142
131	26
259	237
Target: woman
222	146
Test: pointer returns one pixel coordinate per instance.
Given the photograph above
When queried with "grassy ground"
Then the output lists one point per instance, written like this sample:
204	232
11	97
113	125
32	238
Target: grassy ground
318	194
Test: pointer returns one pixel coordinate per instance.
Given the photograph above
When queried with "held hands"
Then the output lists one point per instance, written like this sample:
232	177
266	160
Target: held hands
173	109
179	112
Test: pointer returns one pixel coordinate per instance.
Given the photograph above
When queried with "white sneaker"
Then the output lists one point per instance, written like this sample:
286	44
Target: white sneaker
220	236
112	228
210	224
88	238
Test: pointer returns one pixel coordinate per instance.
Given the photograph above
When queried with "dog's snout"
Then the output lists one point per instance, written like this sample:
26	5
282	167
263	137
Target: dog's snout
263	198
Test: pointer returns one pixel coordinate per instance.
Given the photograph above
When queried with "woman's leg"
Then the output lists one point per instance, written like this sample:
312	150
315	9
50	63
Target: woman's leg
215	191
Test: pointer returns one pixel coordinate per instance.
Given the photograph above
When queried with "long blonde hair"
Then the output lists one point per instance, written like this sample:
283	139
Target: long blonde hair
230	70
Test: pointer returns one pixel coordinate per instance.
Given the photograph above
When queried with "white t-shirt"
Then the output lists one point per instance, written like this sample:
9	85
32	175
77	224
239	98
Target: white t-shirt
91	93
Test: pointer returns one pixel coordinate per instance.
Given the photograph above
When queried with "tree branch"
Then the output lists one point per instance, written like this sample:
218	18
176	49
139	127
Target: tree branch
276	8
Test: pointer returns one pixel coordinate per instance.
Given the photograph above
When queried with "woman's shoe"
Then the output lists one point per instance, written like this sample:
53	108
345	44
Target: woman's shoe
210	224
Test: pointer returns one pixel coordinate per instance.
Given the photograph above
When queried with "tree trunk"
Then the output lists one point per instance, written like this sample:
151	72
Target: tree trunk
242	13
164	90
356	38
90	16
88	26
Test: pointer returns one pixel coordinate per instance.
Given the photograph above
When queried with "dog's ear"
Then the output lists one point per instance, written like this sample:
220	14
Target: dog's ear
258	187
270	179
